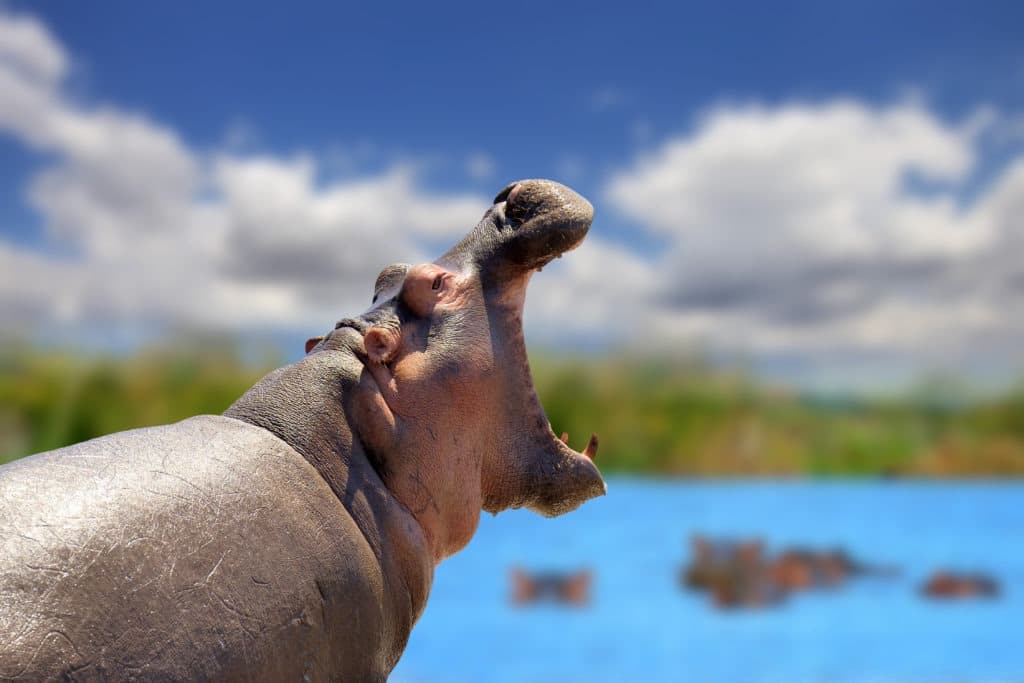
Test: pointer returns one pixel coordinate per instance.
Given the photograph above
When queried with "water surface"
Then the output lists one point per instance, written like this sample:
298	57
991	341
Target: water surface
642	627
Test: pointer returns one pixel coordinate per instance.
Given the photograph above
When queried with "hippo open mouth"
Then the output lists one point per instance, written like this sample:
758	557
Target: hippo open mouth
531	224
455	325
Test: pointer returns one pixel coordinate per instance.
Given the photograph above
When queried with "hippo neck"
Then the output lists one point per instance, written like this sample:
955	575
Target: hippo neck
292	403
304	406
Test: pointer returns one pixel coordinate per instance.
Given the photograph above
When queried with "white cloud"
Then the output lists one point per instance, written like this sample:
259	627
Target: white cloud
328	240
153	232
26	45
596	293
794	229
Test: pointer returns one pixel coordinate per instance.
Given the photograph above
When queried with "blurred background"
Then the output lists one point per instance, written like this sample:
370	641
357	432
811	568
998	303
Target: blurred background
797	323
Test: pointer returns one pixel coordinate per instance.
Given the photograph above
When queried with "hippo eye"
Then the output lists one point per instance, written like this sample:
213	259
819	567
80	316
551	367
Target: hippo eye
437	282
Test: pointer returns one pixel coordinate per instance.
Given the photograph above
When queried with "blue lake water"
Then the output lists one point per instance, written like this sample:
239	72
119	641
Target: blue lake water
641	627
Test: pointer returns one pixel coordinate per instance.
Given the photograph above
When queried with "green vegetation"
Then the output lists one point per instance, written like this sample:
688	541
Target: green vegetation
51	398
680	417
664	416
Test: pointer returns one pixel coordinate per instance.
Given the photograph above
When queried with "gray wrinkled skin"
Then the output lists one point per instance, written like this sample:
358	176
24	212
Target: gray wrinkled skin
194	551
295	537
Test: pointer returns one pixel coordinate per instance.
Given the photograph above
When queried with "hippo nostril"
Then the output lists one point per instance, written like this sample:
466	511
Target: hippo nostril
516	210
513	194
507	193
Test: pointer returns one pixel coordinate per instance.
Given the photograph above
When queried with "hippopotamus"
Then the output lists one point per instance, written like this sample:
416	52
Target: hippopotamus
733	573
295	536
566	588
800	568
950	585
742	574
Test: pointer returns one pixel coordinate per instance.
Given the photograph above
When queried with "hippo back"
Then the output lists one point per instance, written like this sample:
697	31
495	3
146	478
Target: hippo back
207	549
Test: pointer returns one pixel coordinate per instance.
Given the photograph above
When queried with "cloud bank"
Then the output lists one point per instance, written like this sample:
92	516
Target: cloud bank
834	233
839	233
142	230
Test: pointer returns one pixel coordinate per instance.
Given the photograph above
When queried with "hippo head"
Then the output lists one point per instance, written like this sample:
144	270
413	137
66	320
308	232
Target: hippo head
445	382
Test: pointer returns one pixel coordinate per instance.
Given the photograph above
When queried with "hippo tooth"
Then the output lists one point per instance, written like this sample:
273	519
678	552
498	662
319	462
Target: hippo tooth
565	438
591	450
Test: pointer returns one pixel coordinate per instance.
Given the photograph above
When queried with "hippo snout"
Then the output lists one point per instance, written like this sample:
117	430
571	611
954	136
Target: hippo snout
546	219
530	223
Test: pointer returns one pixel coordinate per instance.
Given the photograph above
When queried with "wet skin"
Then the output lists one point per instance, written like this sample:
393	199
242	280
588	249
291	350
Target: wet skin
297	535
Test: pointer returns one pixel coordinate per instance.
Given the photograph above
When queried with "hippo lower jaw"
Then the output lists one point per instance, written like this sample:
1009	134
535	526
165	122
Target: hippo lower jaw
557	478
544	474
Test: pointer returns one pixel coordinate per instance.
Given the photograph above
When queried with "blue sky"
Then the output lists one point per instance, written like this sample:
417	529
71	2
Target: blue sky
529	86
826	191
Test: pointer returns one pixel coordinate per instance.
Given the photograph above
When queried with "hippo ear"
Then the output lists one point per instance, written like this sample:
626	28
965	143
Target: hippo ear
389	280
381	344
312	342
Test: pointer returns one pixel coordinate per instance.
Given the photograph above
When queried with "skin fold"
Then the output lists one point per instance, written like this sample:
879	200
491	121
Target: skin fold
295	536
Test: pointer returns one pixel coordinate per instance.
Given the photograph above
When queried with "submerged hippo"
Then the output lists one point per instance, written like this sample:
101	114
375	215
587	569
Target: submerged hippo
295	537
743	574
565	588
733	573
949	585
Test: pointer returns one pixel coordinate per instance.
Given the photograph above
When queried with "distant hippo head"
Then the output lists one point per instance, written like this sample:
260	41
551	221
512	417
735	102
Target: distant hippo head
446	380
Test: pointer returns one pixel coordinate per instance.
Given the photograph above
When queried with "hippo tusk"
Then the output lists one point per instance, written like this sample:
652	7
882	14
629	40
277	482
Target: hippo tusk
590	451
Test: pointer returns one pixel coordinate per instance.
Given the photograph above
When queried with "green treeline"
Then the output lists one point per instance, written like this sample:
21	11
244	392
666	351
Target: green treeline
654	415
50	399
686	418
